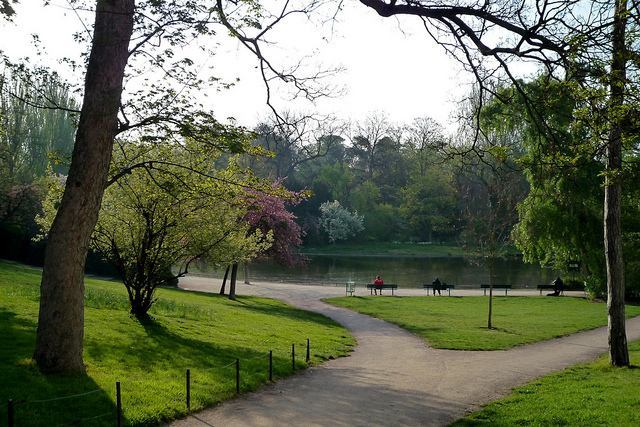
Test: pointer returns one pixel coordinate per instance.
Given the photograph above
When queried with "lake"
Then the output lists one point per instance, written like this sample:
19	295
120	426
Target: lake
404	271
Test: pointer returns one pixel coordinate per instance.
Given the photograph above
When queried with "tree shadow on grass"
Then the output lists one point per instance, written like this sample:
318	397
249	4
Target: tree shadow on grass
153	372
288	312
269	306
162	346
33	391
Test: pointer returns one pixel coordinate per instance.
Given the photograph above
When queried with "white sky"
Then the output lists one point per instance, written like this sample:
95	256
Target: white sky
389	66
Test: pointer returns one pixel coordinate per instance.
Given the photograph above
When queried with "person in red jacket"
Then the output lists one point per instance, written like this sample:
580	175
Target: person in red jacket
377	283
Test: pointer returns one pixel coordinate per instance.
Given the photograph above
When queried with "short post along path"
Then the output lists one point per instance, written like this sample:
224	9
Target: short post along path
392	377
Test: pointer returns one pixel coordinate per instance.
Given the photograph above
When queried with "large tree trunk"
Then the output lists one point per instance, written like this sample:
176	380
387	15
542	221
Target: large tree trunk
246	273
224	281
232	284
61	318
490	315
618	352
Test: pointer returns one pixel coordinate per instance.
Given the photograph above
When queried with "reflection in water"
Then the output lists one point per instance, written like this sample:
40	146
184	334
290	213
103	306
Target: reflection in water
404	271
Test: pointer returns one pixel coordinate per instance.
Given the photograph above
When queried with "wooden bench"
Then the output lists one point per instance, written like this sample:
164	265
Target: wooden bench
564	288
372	287
442	287
505	287
546	288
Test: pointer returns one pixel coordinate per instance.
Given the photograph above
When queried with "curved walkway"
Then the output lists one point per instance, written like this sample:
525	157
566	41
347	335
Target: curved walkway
392	378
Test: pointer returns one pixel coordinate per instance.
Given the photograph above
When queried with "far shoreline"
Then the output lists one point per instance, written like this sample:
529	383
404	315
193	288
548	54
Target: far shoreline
400	250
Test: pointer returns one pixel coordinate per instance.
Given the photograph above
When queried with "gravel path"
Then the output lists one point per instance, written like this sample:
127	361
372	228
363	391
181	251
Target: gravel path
392	378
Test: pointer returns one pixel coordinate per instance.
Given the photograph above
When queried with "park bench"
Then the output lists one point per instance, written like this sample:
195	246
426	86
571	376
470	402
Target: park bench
547	288
442	287
350	288
564	288
371	287
505	287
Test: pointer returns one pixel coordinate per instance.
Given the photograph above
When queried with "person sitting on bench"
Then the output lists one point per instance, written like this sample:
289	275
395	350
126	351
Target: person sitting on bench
558	287
436	286
378	282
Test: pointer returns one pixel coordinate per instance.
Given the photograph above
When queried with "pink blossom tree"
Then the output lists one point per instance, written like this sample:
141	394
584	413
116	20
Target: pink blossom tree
269	213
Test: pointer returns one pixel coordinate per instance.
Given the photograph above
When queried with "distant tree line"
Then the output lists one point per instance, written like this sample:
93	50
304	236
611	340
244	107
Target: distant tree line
402	179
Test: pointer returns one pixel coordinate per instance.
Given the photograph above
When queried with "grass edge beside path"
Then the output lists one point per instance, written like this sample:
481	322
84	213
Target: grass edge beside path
586	394
459	323
202	332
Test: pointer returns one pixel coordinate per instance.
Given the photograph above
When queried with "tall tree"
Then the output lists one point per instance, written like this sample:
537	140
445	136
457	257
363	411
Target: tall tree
492	188
617	117
367	142
294	140
425	138
556	34
156	221
268	214
61	317
161	28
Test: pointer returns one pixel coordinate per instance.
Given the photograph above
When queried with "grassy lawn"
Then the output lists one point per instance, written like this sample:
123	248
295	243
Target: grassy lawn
204	333
584	395
460	323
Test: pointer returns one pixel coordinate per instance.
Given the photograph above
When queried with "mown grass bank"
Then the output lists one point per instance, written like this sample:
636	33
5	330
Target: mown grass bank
593	394
204	333
460	323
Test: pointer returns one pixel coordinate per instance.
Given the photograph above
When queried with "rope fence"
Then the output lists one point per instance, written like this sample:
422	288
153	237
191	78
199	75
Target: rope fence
65	397
12	404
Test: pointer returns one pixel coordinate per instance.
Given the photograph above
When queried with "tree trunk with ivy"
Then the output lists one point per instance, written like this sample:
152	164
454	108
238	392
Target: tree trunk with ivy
59	339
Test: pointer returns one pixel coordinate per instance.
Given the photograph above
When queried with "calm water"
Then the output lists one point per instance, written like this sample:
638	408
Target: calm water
404	271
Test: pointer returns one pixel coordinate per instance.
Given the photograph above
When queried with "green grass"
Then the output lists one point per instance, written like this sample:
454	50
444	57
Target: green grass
460	323
204	333
593	394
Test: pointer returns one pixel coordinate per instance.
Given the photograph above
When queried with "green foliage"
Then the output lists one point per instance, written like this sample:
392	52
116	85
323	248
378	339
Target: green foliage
561	218
586	394
457	323
386	173
381	221
38	125
202	332
169	208
554	231
31	140
429	204
338	180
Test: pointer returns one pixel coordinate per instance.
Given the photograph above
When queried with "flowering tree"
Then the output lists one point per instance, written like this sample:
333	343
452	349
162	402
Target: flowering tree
155	221
268	213
338	222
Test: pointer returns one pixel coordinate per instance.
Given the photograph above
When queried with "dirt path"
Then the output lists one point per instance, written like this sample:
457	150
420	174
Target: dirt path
392	378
